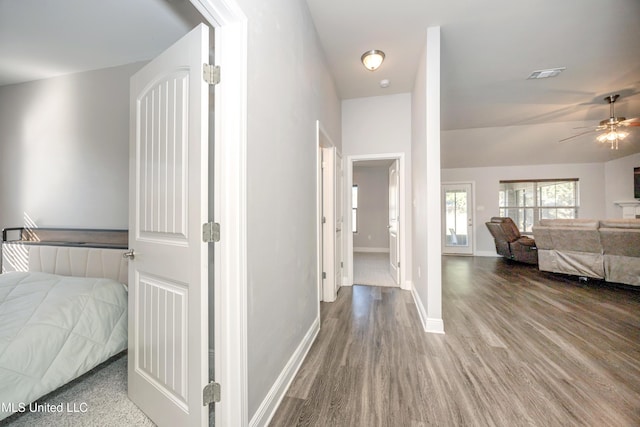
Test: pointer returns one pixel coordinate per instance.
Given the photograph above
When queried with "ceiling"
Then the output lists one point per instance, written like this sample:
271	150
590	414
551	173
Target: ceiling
41	39
491	114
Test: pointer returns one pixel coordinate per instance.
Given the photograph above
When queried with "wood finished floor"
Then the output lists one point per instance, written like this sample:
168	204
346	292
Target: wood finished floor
522	348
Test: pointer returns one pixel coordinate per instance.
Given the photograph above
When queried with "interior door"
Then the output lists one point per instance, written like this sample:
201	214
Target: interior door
457	230
394	221
339	215
329	225
168	305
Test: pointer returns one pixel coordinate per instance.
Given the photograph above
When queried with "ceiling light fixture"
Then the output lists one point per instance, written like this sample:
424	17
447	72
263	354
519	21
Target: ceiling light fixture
372	59
611	133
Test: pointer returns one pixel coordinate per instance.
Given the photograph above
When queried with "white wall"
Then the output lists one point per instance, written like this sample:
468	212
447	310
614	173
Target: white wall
289	88
382	125
64	150
619	183
425	155
373	208
592	187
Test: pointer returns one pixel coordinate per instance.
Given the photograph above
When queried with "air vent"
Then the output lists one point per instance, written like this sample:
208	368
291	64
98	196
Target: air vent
543	74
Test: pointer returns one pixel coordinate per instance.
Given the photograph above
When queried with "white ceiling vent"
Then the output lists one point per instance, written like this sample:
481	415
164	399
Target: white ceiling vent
543	74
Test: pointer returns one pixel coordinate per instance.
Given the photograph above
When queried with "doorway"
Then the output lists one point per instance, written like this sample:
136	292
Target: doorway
330	179
375	219
228	184
457	218
375	225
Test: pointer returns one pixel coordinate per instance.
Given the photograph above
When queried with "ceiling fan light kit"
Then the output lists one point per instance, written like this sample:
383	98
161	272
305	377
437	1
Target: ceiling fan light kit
612	133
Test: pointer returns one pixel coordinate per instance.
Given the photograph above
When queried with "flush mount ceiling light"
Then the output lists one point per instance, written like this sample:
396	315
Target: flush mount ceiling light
372	59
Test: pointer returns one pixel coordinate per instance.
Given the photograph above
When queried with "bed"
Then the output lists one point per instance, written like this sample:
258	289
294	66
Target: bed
63	309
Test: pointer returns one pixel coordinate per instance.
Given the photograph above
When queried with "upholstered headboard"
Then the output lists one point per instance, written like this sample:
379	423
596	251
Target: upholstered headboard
98	253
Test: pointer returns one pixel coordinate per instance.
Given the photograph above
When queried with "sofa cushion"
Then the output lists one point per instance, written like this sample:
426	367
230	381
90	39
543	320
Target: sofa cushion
620	223
585	223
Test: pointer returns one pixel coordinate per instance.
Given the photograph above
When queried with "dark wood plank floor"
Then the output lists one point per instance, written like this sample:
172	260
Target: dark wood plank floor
522	348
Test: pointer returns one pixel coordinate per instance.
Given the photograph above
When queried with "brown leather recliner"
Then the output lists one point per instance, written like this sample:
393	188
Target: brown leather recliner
510	243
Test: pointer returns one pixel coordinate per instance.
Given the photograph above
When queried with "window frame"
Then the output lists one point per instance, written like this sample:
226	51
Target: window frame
526	212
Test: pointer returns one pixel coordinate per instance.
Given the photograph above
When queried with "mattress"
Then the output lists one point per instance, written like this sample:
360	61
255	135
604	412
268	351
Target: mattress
52	330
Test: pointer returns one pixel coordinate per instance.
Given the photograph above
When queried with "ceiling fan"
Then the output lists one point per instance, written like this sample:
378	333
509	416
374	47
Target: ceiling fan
612	128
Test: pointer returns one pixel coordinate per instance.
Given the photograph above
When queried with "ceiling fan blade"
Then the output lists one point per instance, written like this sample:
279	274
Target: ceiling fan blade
577	135
635	121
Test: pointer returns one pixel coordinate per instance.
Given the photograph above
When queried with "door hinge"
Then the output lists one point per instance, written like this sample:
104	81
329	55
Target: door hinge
211	73
324	275
341	264
398	264
211	232
324	219
211	393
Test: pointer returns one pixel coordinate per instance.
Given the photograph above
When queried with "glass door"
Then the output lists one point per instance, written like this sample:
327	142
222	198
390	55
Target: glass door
457	230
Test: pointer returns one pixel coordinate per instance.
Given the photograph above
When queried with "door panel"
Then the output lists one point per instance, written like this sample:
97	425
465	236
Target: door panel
394	221
457	230
168	322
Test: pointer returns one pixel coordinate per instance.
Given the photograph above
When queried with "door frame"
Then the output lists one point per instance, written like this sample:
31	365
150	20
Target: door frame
229	193
323	142
400	157
471	211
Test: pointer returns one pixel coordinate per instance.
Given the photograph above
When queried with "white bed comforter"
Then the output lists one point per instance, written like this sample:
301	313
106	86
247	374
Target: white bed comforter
53	329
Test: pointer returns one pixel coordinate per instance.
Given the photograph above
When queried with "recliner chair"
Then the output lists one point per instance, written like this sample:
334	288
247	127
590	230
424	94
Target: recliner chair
510	243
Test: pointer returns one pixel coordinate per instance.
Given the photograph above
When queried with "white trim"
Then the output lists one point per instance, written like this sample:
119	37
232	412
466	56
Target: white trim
371	250
433	326
325	145
403	211
422	313
271	402
487	254
230	210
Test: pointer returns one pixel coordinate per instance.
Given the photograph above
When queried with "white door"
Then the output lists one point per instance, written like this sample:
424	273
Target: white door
457	230
339	215
329	225
168	313
394	222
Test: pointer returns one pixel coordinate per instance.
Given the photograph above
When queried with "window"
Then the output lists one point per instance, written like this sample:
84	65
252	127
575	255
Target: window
354	208
527	202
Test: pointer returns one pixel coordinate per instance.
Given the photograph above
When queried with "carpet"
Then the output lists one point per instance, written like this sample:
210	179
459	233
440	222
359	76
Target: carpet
98	398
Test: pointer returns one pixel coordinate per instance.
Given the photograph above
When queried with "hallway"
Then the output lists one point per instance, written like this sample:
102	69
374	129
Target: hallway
521	348
372	268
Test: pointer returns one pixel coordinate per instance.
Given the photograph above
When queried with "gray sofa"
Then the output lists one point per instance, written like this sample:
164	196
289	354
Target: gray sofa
602	249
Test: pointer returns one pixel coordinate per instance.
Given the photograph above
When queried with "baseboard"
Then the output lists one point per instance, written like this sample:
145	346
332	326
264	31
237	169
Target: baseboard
430	325
486	254
434	326
372	250
418	302
270	404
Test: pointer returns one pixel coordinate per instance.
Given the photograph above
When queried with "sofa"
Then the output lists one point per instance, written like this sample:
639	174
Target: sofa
621	249
600	249
510	243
